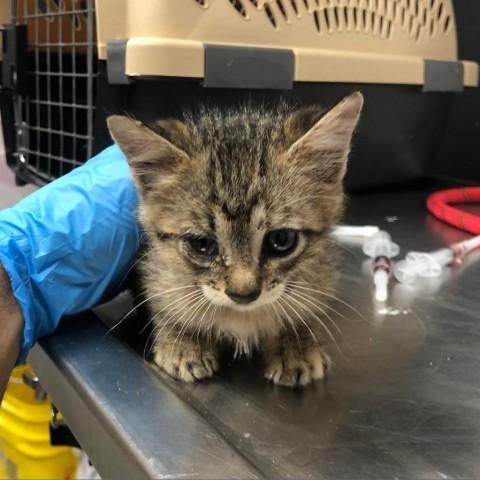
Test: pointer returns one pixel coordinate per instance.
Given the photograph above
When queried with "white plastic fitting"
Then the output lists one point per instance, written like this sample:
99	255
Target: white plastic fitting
363	231
422	264
381	245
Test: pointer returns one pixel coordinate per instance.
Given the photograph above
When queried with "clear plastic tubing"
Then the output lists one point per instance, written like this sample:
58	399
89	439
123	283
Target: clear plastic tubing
461	249
381	249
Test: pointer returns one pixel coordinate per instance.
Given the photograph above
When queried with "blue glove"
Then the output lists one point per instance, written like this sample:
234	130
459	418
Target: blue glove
69	245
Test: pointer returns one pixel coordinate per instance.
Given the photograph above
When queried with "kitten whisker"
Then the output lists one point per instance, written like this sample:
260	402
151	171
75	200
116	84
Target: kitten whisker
334	298
308	298
212	318
316	304
190	319
186	309
198	328
188	295
203	317
322	311
314	338
309	283
332	337
186	298
142	302
186	301
279	318
172	313
170	319
186	323
292	324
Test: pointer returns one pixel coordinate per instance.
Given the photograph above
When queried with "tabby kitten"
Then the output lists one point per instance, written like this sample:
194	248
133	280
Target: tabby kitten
237	207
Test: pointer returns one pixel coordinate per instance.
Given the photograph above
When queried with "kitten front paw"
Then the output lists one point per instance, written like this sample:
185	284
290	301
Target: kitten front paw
188	363
291	368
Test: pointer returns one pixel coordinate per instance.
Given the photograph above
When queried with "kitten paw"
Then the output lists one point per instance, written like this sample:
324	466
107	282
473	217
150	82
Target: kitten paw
187	364
292	369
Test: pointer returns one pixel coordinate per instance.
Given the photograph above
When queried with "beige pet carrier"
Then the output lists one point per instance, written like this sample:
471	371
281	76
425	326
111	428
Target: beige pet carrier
360	41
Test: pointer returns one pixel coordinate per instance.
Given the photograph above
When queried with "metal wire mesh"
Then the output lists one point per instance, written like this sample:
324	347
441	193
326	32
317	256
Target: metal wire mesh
54	123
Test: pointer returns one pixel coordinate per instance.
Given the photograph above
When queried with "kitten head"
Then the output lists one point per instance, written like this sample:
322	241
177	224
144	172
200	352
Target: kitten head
239	203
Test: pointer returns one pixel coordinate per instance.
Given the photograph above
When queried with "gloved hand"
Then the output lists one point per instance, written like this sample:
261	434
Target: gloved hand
69	245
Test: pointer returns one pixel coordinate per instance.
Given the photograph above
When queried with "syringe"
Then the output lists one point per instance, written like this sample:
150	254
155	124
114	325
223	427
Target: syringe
381	249
430	264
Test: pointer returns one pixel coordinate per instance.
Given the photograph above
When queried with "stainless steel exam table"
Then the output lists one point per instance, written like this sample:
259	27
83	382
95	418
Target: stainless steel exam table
403	399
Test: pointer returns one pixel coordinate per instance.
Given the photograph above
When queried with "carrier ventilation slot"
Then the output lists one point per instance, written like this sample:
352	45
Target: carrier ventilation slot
281	8
202	3
270	15
294	6
239	7
379	18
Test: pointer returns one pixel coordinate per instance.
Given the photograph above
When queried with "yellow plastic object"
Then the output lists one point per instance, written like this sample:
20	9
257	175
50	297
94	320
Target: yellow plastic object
25	450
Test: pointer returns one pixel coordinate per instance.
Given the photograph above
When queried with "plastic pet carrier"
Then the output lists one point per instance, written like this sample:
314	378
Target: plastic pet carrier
155	58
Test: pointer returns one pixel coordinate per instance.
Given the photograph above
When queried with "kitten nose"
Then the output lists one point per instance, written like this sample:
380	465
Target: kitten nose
243	298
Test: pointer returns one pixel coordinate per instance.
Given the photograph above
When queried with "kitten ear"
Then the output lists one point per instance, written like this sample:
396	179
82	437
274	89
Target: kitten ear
149	155
324	149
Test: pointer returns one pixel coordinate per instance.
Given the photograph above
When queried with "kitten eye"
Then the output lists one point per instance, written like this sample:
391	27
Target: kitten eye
204	247
280	242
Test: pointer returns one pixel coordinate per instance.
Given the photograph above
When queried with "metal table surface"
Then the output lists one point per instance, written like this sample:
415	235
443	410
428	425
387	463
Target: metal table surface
403	399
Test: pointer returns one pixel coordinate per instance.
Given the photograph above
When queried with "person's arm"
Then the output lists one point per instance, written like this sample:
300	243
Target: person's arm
11	328
64	249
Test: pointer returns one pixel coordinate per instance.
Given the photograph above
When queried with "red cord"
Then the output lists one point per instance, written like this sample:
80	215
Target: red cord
438	204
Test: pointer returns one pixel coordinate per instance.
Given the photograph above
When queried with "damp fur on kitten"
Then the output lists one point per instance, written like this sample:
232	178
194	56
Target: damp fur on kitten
236	206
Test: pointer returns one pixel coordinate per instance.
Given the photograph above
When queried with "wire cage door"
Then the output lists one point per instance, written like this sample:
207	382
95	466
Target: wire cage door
54	121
